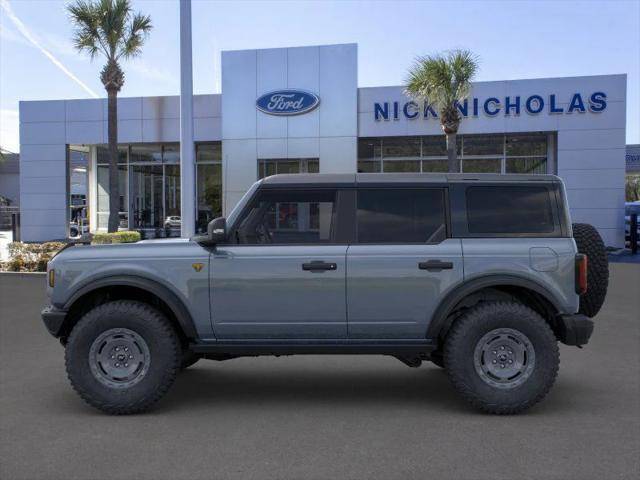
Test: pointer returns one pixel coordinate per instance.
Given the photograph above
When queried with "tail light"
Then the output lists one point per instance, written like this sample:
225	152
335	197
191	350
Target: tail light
581	273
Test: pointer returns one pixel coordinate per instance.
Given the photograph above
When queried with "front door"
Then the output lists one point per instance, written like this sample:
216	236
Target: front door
402	262
284	275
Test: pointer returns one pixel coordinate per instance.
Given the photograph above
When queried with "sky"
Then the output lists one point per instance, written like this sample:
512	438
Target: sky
513	40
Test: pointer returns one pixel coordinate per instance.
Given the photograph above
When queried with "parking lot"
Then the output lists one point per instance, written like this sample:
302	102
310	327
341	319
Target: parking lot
316	417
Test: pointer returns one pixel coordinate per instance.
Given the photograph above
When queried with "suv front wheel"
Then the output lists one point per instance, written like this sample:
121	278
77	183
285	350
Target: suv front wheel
122	356
502	357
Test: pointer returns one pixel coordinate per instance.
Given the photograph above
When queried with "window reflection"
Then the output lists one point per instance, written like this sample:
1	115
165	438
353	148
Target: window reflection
487	153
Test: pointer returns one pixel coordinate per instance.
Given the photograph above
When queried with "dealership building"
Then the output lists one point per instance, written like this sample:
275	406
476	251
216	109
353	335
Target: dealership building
291	110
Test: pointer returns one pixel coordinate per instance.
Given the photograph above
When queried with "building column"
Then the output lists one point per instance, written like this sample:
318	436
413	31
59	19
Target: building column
187	147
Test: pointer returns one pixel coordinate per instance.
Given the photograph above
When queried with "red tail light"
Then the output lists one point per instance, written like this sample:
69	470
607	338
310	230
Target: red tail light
581	273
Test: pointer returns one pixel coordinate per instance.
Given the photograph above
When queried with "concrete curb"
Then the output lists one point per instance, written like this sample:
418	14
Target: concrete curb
23	274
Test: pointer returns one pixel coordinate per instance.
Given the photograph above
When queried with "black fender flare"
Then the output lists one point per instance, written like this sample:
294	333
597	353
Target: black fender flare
175	304
439	322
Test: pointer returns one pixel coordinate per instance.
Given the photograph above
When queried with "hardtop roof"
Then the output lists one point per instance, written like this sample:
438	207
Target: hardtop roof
392	178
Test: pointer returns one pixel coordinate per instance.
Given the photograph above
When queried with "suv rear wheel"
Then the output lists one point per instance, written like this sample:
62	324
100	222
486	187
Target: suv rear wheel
122	356
502	357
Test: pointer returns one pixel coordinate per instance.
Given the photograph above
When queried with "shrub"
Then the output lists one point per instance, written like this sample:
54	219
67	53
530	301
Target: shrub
30	257
101	238
126	237
116	237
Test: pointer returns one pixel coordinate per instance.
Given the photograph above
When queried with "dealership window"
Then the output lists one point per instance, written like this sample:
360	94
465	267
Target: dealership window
526	153
102	183
208	183
494	153
149	185
78	184
268	167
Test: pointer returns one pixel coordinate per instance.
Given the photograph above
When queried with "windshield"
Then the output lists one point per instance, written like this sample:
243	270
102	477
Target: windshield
231	218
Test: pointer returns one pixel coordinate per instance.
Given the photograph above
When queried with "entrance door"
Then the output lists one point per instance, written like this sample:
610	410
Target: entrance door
401	264
284	276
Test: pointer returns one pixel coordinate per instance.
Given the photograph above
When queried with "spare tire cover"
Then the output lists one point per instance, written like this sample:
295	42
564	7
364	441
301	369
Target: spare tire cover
589	242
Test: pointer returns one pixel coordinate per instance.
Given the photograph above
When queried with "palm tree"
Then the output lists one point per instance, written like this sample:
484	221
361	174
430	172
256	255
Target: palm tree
444	81
112	29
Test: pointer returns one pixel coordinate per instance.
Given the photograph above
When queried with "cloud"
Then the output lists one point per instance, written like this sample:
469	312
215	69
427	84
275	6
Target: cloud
9	127
22	28
152	73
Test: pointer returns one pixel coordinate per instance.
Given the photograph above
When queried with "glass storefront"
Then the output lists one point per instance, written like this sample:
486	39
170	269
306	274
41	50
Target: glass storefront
510	153
149	186
208	183
287	165
102	190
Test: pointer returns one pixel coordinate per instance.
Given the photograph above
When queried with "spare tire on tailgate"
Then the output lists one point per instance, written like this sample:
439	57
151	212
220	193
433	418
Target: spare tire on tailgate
589	242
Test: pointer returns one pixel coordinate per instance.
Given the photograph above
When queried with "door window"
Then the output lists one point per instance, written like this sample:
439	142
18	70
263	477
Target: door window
289	217
401	215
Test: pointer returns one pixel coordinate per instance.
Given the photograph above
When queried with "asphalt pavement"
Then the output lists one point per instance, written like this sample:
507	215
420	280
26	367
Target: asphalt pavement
315	417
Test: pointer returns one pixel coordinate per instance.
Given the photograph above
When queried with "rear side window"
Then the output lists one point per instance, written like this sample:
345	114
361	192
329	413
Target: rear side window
401	215
509	210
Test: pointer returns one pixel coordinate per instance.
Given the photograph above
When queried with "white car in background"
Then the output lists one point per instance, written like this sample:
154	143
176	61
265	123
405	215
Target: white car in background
173	222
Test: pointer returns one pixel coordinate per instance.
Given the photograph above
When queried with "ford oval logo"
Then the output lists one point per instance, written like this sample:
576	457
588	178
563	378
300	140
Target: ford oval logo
287	102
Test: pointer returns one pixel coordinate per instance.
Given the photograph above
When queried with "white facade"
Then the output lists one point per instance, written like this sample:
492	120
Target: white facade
329	132
586	146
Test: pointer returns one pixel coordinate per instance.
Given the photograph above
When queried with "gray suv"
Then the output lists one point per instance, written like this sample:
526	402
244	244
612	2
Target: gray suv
480	274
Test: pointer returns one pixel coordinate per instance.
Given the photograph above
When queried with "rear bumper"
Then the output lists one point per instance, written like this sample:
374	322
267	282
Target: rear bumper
574	329
54	320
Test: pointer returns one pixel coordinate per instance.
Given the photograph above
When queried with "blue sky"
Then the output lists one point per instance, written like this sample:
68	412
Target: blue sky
517	39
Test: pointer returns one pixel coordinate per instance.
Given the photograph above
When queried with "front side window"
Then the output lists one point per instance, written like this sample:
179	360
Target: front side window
509	210
401	215
289	217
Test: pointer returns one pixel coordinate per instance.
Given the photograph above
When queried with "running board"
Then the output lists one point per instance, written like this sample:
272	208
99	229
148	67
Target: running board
355	347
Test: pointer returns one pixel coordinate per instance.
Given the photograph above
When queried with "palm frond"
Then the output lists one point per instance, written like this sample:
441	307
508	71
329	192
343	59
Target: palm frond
108	27
139	29
442	80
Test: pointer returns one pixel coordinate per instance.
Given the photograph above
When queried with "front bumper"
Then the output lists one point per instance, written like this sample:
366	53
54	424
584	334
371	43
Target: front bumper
54	320
574	329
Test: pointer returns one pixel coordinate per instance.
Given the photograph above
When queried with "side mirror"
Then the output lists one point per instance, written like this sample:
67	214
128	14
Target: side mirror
217	230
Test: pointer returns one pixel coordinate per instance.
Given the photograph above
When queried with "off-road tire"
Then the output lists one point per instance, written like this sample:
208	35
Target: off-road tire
189	358
468	331
589	242
163	347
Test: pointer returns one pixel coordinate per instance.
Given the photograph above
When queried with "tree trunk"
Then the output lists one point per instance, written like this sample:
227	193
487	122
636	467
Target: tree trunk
114	190
454	164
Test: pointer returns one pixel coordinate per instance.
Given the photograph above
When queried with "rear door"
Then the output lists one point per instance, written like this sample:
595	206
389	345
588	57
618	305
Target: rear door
284	277
401	263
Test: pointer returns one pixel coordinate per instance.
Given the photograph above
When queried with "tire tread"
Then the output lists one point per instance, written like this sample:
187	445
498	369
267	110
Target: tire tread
165	329
472	320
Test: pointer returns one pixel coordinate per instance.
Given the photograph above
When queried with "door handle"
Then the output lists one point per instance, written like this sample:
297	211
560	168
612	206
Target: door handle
319	266
435	265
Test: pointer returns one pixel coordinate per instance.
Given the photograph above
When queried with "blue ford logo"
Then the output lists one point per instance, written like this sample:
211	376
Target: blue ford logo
287	102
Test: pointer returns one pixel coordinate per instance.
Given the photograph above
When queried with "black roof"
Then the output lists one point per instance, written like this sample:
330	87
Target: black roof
391	178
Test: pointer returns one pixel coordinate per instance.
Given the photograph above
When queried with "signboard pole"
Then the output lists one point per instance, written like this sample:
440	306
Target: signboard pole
187	147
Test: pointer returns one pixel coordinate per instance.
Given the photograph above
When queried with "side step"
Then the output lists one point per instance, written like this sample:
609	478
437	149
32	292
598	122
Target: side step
239	348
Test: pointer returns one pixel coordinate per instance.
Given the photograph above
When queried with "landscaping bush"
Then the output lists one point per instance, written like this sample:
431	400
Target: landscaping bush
30	257
116	237
33	257
101	238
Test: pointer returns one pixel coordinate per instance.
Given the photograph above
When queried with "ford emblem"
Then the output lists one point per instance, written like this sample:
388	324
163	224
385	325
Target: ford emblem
287	102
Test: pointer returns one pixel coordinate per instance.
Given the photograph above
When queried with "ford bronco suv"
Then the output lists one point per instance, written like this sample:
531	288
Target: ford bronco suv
480	274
